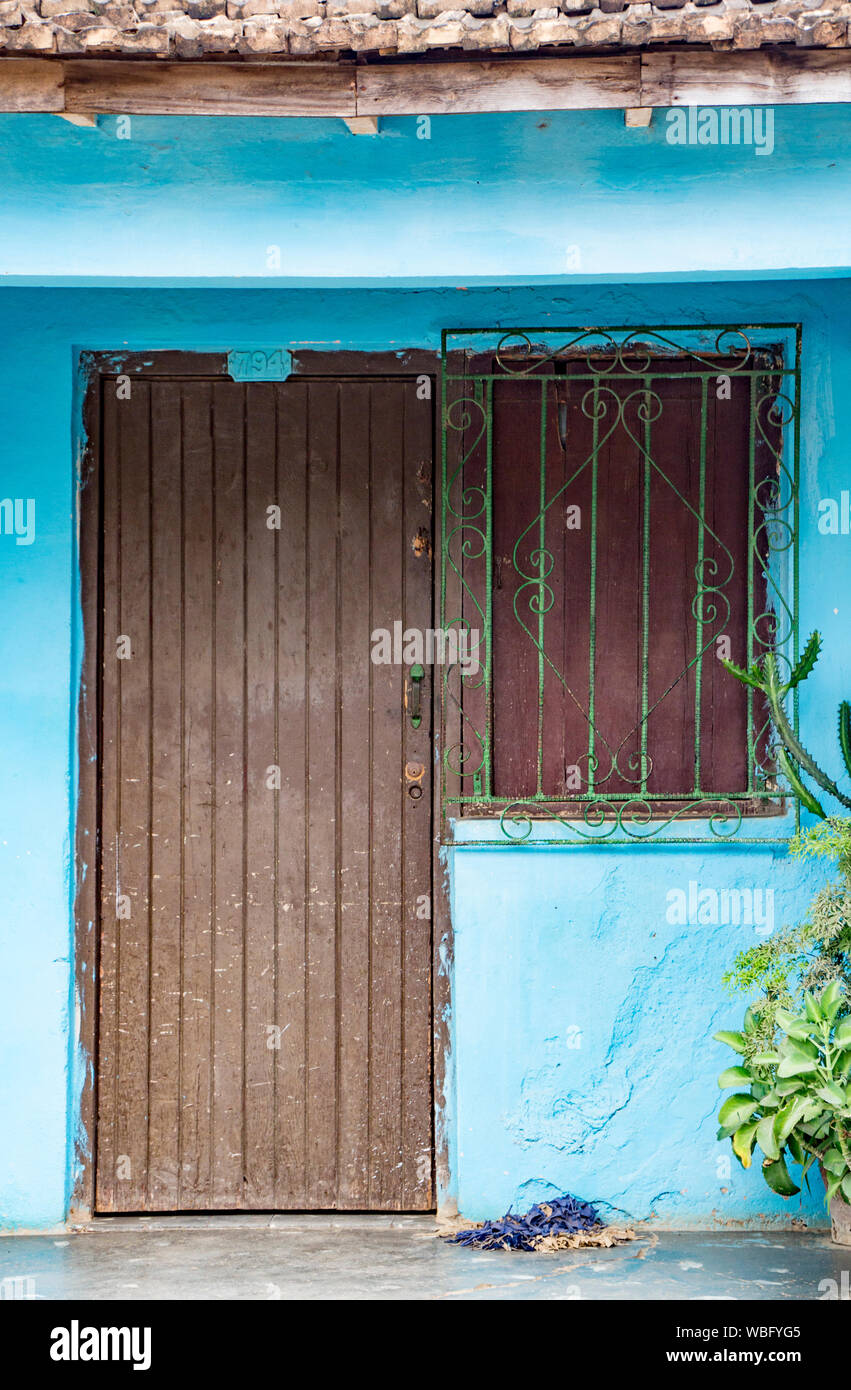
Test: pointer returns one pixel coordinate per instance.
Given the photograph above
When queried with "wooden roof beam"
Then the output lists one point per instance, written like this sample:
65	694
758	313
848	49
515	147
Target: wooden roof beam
620	81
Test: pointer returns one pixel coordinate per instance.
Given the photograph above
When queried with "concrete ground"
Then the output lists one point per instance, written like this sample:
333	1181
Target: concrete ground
378	1257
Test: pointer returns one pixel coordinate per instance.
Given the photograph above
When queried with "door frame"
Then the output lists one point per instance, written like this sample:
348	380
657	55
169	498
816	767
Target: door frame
93	366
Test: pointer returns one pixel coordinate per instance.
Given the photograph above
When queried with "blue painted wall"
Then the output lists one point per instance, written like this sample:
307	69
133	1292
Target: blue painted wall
486	197
572	944
583	1023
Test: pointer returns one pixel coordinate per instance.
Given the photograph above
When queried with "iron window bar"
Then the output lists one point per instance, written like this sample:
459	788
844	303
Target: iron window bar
473	361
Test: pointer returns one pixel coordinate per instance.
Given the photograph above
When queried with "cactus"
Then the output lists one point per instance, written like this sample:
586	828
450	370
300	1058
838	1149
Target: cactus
792	755
845	734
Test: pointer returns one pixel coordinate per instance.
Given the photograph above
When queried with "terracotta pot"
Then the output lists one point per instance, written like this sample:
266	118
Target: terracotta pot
840	1219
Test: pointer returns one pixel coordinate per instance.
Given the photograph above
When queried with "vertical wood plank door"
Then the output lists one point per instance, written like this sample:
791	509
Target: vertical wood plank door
264	1025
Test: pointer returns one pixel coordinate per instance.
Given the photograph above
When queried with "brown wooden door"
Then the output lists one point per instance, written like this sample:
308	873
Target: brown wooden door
264	1004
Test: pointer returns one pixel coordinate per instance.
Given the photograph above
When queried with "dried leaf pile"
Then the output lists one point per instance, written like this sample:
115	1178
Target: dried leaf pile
566	1223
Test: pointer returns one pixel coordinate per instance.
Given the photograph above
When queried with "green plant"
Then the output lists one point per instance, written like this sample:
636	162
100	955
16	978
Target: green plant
778	971
793	757
795	1043
797	1104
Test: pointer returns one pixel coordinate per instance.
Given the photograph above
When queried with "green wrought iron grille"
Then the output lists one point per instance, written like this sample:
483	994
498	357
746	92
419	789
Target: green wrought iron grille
619	510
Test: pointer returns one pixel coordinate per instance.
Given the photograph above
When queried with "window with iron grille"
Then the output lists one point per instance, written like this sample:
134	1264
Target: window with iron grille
619	514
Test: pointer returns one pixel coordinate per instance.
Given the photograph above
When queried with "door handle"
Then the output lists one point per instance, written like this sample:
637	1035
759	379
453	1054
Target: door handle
417	677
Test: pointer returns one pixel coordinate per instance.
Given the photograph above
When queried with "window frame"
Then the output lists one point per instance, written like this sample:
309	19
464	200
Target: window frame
471	813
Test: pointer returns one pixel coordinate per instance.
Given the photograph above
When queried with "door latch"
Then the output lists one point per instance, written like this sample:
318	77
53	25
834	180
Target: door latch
417	677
